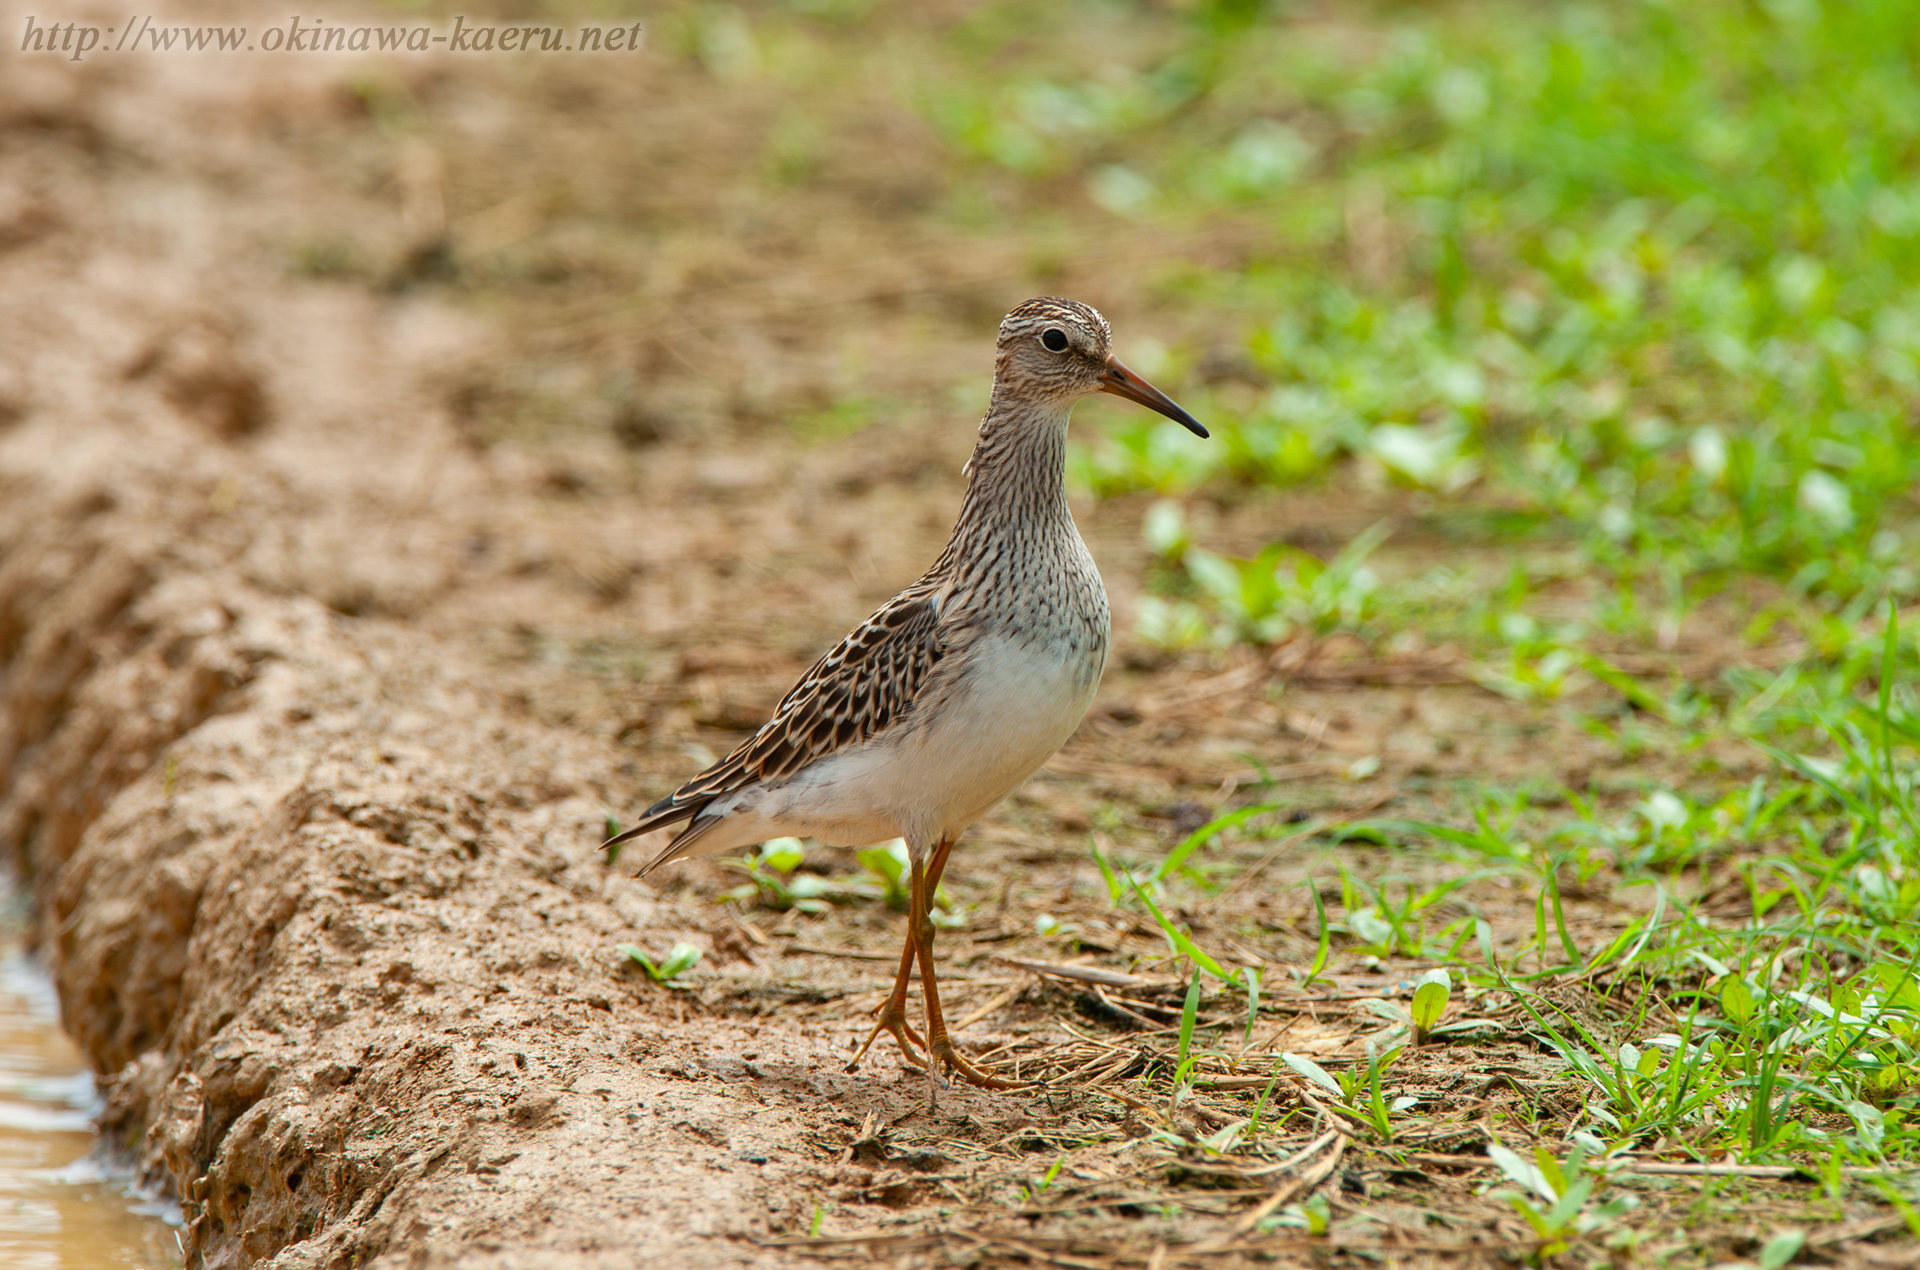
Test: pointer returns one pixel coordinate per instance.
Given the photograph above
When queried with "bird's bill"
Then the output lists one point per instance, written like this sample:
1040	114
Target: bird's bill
1122	382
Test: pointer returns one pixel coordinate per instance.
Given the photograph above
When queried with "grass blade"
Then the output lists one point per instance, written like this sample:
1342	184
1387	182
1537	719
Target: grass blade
1178	939
1205	833
1321	953
1106	872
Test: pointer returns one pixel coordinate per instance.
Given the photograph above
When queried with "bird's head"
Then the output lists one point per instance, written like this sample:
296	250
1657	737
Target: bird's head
1061	350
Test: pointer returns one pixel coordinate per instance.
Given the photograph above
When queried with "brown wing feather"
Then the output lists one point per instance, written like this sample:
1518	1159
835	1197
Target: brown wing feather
854	692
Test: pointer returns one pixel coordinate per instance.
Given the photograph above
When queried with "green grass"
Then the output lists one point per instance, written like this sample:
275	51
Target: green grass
1646	273
1641	284
1746	1034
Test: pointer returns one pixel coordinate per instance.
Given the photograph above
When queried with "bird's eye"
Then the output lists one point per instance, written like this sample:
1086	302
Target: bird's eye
1055	339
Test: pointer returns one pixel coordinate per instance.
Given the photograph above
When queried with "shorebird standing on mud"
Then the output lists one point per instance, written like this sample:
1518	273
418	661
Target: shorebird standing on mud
957	690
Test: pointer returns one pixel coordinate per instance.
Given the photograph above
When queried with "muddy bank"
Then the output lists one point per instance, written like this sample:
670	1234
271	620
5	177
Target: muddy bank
318	910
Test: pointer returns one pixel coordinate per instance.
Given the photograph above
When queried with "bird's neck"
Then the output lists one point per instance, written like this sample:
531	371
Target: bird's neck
1017	477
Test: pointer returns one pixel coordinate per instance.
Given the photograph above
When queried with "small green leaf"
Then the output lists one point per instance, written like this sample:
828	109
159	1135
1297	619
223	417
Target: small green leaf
808	886
1429	1003
894	859
782	855
1560	1216
1535	1218
1902	989
1781	1249
1371	927
1222	1142
634	951
1522	1171
680	959
890	863
1736	1000
1313	1072
1871	1124
1201	836
1550	1169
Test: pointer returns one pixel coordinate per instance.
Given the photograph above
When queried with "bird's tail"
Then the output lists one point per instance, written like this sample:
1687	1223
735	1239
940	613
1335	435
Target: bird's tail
659	816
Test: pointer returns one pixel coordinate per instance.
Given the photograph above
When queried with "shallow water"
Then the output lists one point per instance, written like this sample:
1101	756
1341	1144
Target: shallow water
60	1207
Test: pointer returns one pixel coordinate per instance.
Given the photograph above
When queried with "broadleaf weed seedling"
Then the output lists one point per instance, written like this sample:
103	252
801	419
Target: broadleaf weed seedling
1564	1190
1311	1215
1362	1098
1429	1003
773	879
889	863
679	959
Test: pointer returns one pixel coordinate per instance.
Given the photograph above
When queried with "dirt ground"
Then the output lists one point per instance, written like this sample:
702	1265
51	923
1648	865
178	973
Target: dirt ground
321	676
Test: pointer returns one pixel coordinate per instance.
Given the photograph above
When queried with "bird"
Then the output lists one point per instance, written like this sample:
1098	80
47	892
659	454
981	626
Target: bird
955	691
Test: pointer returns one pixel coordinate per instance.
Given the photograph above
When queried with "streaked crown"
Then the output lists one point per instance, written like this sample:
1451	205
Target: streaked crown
1073	317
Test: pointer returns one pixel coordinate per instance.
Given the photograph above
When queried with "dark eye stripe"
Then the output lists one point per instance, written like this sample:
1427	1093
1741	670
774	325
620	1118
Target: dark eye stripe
1055	339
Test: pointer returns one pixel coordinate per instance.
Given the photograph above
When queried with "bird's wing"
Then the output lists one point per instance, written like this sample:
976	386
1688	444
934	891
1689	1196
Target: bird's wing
854	692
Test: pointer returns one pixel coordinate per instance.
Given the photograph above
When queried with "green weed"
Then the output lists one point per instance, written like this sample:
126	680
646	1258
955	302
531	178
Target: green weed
679	959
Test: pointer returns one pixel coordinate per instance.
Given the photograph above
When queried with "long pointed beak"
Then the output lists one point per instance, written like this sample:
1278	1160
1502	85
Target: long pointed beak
1122	382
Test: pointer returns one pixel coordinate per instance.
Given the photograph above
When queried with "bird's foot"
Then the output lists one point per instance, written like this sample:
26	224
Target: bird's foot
942	1053
893	1019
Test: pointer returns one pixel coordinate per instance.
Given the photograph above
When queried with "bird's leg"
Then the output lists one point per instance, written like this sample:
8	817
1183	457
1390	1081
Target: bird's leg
940	1048
892	1014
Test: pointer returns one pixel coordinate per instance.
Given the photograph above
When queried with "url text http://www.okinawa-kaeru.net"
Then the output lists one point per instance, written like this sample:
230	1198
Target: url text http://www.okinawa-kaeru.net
78	41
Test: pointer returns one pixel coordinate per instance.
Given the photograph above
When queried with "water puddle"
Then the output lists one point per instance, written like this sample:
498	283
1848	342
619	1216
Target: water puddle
60	1208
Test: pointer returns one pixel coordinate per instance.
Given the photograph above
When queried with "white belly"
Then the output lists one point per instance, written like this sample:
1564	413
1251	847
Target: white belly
1014	707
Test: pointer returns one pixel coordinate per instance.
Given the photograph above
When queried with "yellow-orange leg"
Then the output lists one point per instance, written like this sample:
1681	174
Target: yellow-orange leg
892	1014
920	931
